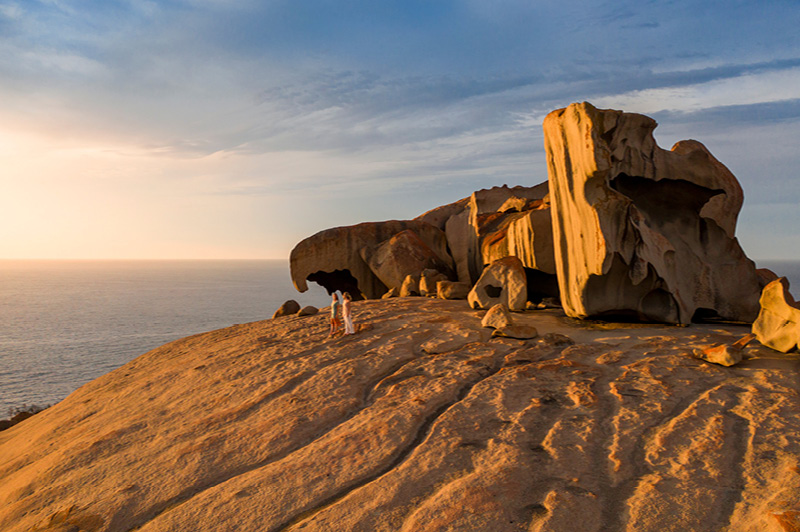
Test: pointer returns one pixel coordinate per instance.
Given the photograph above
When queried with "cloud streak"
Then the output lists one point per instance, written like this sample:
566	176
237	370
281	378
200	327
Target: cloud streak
274	99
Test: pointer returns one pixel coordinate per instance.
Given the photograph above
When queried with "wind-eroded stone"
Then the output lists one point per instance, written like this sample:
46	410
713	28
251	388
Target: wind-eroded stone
332	258
503	281
639	230
778	322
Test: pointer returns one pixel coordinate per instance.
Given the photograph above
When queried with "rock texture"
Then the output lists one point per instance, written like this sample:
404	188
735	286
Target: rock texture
778	322
268	426
287	309
497	317
495	223
333	257
308	310
504	282
452	290
402	255
428	280
639	230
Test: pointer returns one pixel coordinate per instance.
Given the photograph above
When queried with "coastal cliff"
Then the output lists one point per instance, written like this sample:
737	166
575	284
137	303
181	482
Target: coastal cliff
420	422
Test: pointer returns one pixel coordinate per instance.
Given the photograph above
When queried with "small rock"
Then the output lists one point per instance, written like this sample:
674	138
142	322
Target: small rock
308	310
549	302
557	340
520	332
410	286
427	282
724	355
393	292
287	309
452	290
497	317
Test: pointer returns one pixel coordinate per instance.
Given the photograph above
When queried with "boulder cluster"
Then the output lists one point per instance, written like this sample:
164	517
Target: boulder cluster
622	229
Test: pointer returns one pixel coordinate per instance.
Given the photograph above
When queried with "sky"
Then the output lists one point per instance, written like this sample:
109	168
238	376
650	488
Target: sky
216	129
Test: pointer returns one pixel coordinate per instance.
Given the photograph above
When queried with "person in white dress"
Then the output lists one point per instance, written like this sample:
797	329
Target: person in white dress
347	313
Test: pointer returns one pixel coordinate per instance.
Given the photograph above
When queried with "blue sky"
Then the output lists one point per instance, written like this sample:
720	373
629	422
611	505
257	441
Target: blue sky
215	129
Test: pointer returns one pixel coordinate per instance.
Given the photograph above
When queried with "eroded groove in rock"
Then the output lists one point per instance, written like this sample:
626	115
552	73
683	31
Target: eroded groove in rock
422	433
187	494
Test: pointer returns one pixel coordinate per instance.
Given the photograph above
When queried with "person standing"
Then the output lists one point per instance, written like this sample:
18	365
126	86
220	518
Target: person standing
347	313
335	323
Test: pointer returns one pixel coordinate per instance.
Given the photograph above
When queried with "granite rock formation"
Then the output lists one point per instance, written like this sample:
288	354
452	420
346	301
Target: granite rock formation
640	231
495	223
503	281
420	423
778	322
333	257
401	255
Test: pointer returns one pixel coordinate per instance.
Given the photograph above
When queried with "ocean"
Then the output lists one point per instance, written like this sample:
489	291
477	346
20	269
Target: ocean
64	323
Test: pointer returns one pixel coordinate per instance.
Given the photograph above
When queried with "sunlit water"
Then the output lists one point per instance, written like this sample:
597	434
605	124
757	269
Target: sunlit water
64	323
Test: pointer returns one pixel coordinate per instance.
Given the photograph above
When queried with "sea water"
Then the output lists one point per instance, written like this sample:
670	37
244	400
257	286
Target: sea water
64	323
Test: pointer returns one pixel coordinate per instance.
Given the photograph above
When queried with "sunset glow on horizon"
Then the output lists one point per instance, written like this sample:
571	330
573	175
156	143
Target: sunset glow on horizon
191	129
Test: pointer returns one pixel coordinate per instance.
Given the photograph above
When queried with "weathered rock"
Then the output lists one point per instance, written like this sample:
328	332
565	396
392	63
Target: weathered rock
287	309
266	426
520	332
332	258
497	317
410	286
639	230
308	310
392	292
402	255
778	322
452	290
516	221
427	282
447	341
503	281
725	355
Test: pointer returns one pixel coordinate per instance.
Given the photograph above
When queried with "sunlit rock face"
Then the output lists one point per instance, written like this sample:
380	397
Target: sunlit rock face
640	231
334	259
495	223
778	322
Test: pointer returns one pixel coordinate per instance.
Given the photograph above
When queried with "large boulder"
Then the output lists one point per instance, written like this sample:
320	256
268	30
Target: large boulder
778	322
503	281
332	258
401	255
640	231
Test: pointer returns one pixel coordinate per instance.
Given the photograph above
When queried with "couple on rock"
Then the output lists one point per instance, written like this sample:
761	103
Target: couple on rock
346	314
